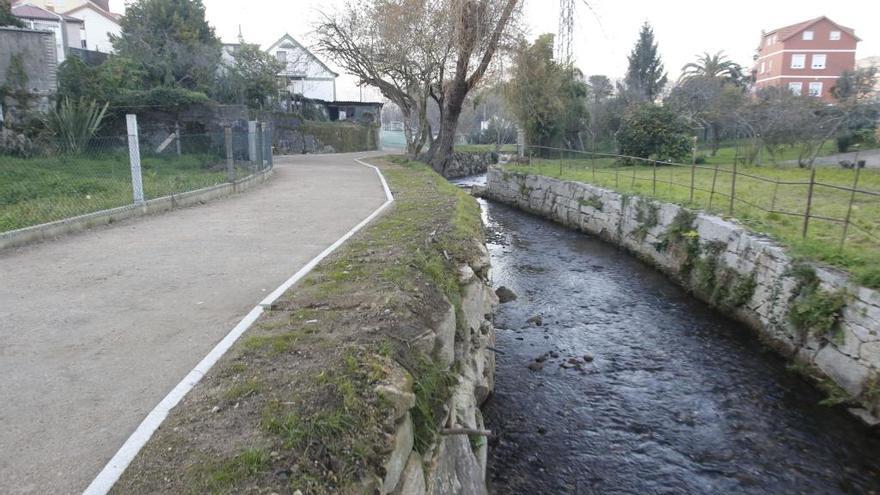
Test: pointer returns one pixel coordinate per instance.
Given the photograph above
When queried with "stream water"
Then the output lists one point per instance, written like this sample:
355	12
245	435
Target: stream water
642	388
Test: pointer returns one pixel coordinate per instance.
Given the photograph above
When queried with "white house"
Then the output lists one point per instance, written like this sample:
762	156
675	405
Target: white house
99	25
304	74
67	29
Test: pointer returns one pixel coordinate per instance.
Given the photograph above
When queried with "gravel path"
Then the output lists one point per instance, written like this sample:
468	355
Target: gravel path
96	328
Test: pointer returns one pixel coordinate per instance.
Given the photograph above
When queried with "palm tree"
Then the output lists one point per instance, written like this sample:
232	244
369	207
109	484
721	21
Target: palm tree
713	66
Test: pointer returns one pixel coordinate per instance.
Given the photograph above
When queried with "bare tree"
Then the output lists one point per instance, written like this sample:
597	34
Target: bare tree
478	28
399	47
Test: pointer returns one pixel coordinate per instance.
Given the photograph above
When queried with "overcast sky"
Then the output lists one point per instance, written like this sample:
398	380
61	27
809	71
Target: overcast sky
603	36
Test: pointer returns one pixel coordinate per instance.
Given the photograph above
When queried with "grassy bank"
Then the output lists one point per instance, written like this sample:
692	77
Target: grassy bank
292	405
45	189
860	254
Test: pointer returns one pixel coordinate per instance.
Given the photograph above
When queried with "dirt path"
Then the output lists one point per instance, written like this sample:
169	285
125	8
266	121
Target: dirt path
96	328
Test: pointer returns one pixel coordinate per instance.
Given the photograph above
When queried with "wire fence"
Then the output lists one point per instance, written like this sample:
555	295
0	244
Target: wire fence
56	179
817	204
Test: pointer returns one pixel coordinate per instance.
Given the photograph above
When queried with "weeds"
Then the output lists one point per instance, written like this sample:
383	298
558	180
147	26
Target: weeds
813	310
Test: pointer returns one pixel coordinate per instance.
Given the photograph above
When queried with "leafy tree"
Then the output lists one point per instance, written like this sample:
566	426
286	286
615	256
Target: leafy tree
650	131
534	92
6	17
171	40
716	66
251	79
103	83
645	76
600	88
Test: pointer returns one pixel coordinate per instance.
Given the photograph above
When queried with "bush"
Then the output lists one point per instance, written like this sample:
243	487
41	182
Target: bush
649	131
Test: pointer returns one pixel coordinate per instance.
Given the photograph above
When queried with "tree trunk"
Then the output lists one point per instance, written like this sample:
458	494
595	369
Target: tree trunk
441	151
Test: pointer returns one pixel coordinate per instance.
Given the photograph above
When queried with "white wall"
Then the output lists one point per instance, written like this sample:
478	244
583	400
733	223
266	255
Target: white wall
312	79
322	90
98	28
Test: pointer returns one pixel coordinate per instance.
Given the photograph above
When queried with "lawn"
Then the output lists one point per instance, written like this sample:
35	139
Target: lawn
478	148
45	189
766	206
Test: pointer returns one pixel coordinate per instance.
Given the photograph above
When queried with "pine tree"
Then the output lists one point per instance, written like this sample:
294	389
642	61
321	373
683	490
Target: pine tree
645	76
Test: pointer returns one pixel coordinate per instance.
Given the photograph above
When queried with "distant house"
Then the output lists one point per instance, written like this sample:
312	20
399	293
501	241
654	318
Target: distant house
807	58
100	24
67	30
304	74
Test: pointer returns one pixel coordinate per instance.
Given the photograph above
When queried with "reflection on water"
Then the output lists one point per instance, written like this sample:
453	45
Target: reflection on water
643	389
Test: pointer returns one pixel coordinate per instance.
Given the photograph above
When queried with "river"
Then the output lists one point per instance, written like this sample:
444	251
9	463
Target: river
643	389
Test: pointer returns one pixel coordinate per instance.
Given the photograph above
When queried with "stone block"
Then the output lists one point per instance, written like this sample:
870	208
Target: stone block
412	481
845	371
400	454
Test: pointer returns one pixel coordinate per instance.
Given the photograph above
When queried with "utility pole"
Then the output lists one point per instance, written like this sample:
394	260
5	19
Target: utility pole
565	35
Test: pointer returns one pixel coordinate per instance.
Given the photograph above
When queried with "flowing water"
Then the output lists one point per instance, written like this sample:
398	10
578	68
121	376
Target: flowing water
642	388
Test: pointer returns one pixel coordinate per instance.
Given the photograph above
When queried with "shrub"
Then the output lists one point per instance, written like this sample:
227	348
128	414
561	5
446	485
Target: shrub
75	123
649	131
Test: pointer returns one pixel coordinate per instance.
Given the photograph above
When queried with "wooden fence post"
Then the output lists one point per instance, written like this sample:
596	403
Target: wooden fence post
775	191
654	187
693	170
732	187
809	201
852	199
714	180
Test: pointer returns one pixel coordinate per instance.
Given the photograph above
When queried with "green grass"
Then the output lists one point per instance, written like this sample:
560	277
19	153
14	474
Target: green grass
860	255
727	153
477	148
45	189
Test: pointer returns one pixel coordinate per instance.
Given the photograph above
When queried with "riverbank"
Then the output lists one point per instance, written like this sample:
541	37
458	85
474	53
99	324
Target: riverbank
813	315
365	377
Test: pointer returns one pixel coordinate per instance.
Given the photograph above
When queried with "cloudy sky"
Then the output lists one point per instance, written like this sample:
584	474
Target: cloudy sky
604	35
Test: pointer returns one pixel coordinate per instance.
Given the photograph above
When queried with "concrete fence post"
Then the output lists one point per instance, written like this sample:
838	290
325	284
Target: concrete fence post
230	157
252	141
134	158
177	136
266	134
259	146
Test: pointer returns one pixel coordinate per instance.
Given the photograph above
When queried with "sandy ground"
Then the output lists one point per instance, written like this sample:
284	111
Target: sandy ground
96	328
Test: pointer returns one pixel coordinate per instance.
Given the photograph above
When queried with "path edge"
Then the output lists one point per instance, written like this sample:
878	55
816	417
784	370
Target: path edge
112	471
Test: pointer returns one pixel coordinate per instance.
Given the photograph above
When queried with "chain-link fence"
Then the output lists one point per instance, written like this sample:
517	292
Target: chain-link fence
54	179
828	205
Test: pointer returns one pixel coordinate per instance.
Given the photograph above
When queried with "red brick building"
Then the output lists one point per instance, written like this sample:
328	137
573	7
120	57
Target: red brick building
807	57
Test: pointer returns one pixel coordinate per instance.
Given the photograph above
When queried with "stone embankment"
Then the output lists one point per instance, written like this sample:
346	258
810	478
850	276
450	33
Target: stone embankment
366	377
465	164
814	315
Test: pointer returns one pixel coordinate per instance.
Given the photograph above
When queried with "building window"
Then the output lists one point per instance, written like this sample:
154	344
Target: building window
84	44
798	60
819	61
795	88
763	68
815	89
834	36
808	36
770	65
281	55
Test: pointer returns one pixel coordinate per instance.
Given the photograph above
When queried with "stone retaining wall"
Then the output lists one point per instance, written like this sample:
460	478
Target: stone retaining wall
744	274
464	164
452	465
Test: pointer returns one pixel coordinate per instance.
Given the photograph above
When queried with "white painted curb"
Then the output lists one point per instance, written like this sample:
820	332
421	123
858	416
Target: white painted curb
123	457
